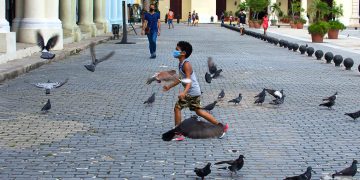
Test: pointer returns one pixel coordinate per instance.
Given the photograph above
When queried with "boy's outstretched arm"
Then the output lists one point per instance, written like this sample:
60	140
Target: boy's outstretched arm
175	83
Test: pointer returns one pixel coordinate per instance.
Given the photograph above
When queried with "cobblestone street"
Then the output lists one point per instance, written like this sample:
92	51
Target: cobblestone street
98	126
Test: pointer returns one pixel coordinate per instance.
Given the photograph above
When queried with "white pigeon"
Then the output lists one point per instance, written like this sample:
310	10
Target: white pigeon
50	85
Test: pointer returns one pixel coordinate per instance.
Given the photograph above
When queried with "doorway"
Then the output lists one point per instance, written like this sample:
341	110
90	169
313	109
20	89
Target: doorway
220	7
176	7
10	11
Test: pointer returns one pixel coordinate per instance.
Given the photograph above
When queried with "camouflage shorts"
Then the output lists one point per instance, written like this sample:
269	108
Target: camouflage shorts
192	102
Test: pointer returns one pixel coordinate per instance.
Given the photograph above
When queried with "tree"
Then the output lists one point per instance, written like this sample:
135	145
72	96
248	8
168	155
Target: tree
257	6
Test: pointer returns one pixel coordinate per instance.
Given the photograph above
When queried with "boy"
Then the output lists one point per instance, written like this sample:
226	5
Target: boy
190	97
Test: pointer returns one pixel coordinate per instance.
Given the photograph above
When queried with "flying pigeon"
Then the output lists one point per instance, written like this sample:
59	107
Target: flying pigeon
350	171
354	115
235	165
328	104
221	94
210	107
331	98
305	176
50	85
94	62
46	107
203	172
45	49
151	99
208	77
261	94
277	94
217	74
236	100
212	66
166	76
195	129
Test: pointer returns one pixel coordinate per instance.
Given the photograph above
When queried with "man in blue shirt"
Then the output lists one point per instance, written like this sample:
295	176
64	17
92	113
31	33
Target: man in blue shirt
152	21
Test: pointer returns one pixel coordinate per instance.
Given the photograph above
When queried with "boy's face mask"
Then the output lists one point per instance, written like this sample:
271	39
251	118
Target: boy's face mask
176	54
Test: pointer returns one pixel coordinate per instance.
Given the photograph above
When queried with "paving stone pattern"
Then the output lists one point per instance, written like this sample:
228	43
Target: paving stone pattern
98	126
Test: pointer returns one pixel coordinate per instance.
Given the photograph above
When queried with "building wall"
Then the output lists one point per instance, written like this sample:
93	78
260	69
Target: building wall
230	5
164	6
186	8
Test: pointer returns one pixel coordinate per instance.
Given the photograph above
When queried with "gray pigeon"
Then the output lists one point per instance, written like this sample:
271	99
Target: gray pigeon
217	74
212	66
46	107
151	99
208	77
350	171
305	176
354	115
328	104
45	49
94	61
210	107
279	101
236	100
331	98
277	94
260	100
50	85
261	94
203	172
235	165
221	94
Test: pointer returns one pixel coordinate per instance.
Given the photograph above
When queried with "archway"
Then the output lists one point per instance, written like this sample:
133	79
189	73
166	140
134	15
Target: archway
220	7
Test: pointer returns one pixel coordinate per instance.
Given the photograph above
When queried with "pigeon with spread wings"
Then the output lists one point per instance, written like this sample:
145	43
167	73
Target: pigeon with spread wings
94	61
50	85
45	49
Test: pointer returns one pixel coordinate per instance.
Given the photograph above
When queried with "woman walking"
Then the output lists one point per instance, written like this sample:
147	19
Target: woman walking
265	23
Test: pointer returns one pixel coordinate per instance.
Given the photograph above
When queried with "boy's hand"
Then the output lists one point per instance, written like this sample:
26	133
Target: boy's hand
166	88
142	32
182	95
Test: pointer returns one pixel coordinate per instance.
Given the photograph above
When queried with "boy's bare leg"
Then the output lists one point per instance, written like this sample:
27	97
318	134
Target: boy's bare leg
177	113
206	116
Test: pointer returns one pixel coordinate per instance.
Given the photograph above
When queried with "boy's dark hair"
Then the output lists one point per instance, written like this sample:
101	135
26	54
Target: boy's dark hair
185	46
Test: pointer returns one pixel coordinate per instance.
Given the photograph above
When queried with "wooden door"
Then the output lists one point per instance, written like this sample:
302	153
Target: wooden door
220	7
176	7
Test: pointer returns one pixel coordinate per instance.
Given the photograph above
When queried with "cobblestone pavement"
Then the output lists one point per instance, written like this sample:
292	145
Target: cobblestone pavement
98	126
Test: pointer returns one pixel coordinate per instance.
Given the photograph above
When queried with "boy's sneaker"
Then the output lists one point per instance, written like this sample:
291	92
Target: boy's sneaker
178	137
226	127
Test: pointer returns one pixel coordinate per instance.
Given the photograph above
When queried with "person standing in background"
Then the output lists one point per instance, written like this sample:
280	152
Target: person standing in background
196	23
242	21
170	17
193	17
189	19
265	23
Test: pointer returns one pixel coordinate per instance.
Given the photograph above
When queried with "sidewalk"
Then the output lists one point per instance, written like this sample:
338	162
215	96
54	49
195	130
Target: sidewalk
31	60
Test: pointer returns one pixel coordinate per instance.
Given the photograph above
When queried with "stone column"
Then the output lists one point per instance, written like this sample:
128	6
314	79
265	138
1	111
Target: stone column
7	38
305	7
354	20
35	15
86	17
68	18
99	16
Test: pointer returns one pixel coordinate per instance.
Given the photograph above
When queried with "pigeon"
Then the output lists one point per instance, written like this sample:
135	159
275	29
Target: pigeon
221	94
331	98
45	49
166	76
208	77
217	74
305	176
261	94
278	101
94	62
354	115
236	100
203	172
328	104
210	107
195	129
275	93
46	107
50	85
260	100
350	171
212	66
151	99
235	165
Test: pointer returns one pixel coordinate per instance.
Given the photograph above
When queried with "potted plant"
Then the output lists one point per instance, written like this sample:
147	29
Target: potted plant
226	16
300	23
335	25
257	23
318	31
318	10
334	28
293	22
275	11
296	11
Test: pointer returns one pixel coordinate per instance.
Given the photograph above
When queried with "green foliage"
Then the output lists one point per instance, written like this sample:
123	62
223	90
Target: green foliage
257	5
296	8
275	9
336	10
320	27
318	10
226	14
336	25
243	6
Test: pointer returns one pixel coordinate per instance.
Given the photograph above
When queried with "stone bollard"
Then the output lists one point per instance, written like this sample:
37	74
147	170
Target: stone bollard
328	57
310	51
302	49
338	59
295	47
348	63
319	54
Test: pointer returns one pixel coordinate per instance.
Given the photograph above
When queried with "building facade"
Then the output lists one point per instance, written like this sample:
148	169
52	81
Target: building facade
72	20
208	8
